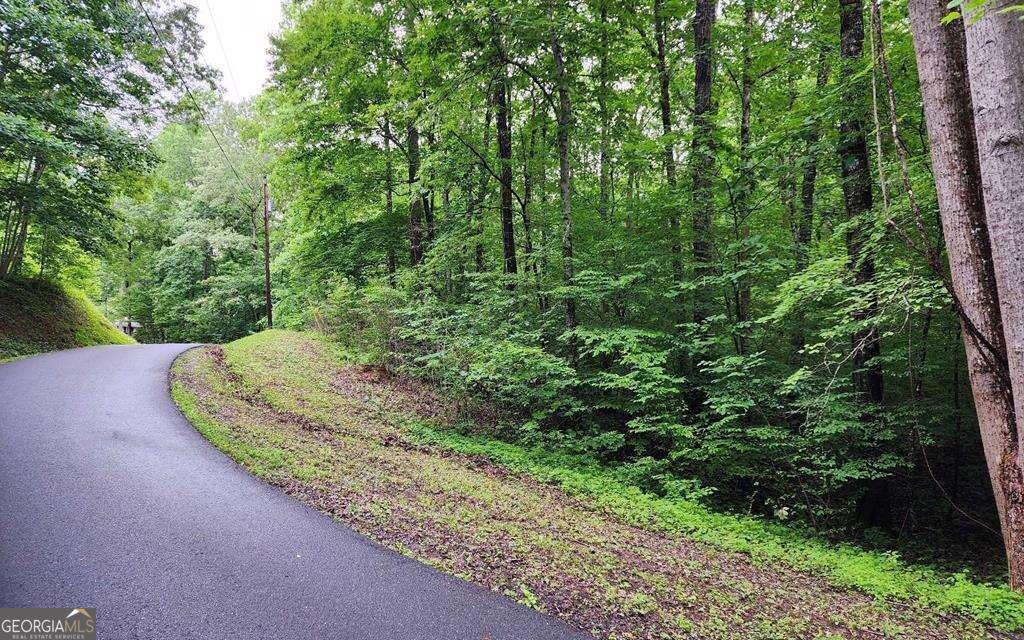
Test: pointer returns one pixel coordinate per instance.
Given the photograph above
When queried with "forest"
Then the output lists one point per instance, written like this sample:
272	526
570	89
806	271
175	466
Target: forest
765	256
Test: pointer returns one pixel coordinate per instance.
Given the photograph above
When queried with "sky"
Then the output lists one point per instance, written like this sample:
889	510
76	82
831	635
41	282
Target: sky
244	27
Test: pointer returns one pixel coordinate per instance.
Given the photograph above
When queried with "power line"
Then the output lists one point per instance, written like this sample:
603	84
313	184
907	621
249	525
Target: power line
188	91
220	42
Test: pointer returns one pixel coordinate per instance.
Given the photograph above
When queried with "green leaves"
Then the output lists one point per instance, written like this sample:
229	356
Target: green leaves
77	80
975	10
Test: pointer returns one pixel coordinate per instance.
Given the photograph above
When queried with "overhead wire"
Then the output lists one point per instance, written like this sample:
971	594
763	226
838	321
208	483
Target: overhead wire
192	97
220	43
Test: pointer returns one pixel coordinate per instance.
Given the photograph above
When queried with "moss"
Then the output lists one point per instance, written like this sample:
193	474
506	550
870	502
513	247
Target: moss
37	316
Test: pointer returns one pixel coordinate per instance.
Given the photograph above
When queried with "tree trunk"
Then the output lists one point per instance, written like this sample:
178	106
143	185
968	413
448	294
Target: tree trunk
529	157
429	204
543	299
389	201
742	209
415	198
565	179
812	138
504	134
476	203
668	155
995	62
703	158
15	236
810	173
875	506
267	290
413	151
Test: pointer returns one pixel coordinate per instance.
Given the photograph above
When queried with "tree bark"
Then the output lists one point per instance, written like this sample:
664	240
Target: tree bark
504	134
668	154
564	116
995	63
703	158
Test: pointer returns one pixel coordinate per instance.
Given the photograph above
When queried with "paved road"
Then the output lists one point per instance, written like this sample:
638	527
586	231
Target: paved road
109	499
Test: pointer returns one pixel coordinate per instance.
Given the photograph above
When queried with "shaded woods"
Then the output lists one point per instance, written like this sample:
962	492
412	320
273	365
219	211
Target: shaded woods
763	256
701	241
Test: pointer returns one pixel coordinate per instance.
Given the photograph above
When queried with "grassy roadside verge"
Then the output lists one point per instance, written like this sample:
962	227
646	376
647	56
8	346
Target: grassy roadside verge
36	317
399	463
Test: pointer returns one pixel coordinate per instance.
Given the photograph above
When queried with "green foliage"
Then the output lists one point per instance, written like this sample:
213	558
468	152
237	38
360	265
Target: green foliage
295	374
719	361
756	402
78	81
188	267
36	316
882	575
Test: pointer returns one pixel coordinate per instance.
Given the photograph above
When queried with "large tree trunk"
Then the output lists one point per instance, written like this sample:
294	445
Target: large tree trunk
702	163
668	155
995	63
875	506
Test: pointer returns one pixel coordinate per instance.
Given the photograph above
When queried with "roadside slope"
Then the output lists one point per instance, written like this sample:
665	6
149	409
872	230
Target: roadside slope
37	316
109	497
392	458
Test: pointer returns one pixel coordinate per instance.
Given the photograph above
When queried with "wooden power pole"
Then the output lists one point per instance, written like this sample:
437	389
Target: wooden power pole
266	254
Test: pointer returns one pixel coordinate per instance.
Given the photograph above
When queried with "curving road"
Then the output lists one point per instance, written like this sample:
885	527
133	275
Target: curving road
110	499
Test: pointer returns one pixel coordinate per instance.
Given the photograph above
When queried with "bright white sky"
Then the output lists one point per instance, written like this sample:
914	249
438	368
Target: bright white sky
245	27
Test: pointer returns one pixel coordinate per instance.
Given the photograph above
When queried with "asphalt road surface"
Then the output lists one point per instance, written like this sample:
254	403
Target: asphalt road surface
110	499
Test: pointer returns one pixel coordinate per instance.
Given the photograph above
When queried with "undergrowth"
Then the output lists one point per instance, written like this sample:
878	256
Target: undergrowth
882	575
37	316
279	367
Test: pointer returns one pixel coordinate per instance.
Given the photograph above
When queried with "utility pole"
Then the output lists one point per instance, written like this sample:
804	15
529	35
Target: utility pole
266	253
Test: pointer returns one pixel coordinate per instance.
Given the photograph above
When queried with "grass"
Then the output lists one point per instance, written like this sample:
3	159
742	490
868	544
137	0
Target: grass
400	463
37	316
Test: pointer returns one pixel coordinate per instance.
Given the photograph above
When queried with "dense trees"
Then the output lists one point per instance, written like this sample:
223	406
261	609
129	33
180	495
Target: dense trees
694	240
78	84
755	359
190	264
796	354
